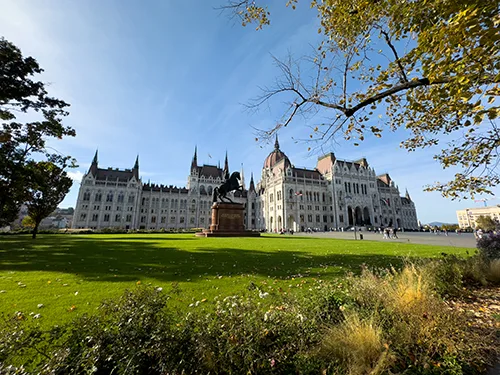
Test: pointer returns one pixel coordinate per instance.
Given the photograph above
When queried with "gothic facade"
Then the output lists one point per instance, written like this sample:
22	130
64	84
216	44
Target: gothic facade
335	194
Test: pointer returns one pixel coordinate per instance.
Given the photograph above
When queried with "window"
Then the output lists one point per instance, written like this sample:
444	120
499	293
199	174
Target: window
129	218
95	217
317	218
202	220
310	218
118	217
341	218
86	196
109	197
163	219
325	220
290	193
120	198
191	220
153	219
172	219
143	219
271	197
131	199
98	197
106	217
181	220
83	216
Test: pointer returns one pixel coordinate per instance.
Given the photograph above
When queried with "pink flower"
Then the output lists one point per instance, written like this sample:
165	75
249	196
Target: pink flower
273	362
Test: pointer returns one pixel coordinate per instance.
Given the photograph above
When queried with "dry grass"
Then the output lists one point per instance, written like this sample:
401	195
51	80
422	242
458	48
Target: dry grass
358	345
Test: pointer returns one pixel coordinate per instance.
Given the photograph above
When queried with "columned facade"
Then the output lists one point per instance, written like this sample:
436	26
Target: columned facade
335	194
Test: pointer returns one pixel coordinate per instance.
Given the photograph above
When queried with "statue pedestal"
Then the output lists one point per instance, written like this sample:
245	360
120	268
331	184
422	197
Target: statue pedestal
228	221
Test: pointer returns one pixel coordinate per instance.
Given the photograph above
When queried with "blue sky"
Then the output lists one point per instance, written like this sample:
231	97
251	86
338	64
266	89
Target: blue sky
157	78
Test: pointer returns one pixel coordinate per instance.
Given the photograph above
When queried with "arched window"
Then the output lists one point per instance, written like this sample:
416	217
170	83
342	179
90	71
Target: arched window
202	189
109	197
86	196
98	196
209	190
121	197
290	193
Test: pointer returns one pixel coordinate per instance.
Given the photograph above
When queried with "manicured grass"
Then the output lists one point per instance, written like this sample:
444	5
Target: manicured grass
72	274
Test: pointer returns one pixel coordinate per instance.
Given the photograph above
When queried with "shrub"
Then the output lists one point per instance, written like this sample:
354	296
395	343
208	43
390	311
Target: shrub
489	246
447	274
493	271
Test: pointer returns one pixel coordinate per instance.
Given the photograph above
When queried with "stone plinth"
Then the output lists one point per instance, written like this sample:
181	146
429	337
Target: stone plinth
228	221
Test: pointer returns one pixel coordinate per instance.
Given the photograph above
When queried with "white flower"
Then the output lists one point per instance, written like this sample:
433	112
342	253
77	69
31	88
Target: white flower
266	316
76	293
191	304
159	289
263	295
36	316
40	305
301	317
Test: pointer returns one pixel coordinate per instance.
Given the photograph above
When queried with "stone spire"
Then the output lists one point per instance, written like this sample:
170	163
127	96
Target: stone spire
93	166
135	170
252	185
276	143
407	195
226	168
194	163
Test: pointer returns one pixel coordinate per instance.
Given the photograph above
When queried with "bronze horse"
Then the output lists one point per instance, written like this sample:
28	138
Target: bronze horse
231	184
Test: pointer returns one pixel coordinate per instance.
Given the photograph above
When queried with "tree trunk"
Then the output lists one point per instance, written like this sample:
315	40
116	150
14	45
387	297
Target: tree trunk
35	230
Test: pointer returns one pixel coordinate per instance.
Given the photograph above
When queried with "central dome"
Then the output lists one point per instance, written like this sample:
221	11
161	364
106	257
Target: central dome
276	156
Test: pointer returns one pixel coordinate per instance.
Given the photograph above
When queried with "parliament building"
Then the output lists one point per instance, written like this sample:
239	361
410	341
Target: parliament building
335	194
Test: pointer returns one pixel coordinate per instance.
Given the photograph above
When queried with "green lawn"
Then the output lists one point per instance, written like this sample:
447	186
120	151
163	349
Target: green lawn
72	274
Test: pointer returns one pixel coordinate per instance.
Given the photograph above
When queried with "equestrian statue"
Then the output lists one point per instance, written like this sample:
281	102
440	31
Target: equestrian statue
231	184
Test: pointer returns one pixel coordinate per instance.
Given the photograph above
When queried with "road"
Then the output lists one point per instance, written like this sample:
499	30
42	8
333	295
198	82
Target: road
454	240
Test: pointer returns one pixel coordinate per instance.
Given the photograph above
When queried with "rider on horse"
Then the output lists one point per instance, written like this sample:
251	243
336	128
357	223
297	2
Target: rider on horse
231	184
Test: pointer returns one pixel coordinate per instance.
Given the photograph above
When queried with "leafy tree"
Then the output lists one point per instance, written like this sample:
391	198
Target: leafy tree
431	65
28	222
23	141
48	186
450	227
486	223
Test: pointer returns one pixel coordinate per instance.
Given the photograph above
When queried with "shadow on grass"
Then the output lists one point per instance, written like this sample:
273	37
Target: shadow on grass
130	258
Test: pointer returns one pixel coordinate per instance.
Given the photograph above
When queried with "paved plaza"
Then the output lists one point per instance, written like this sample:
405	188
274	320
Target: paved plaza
452	239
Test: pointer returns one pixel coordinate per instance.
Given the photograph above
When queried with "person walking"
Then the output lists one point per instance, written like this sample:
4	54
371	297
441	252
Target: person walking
394	233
